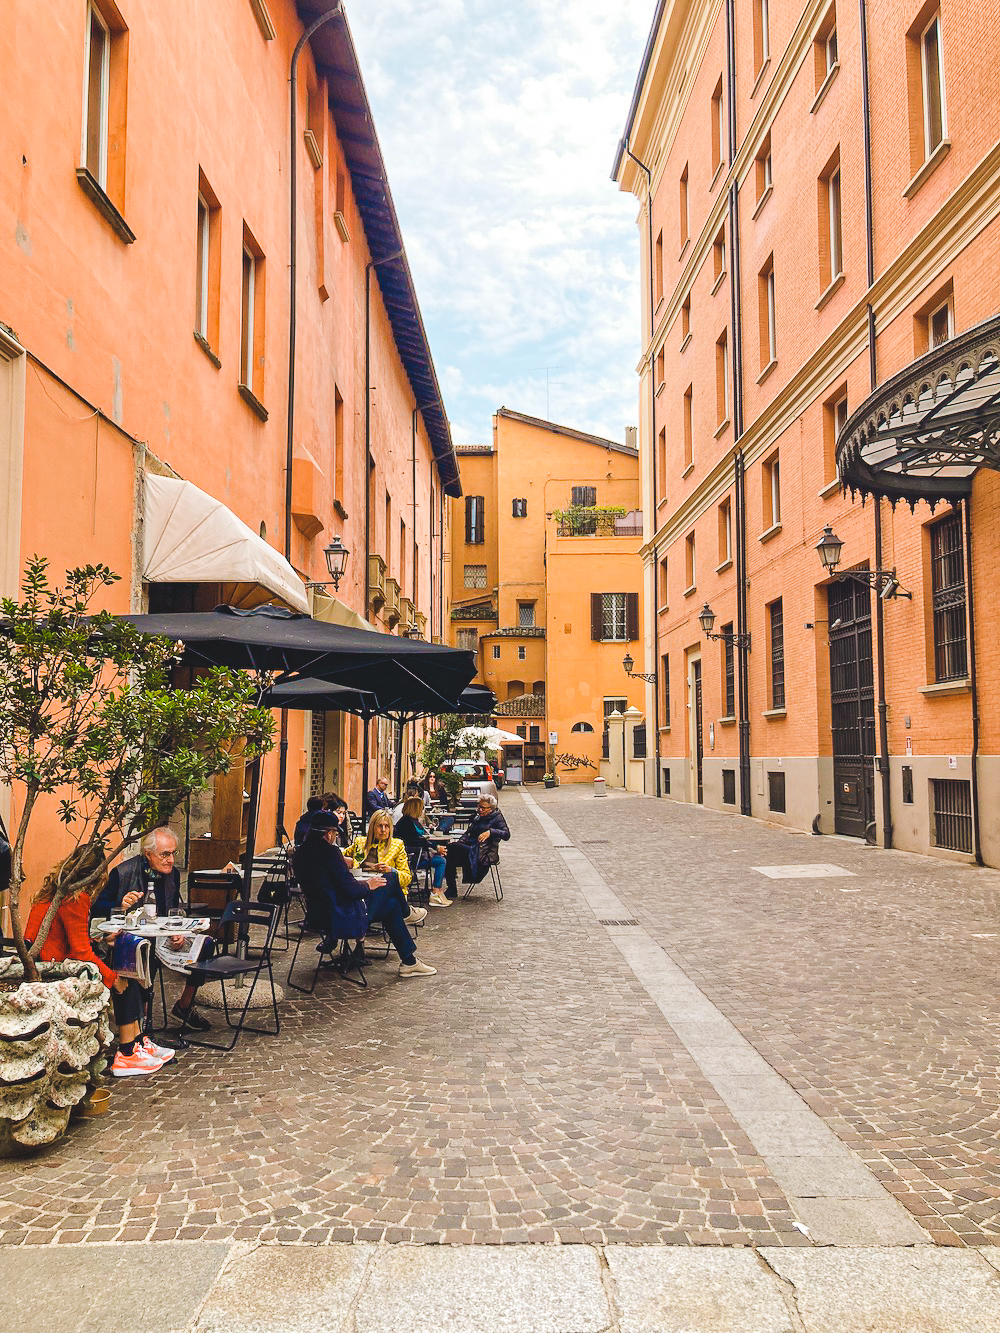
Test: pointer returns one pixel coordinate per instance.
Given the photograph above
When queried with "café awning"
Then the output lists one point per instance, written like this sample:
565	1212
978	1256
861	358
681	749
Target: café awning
923	434
190	537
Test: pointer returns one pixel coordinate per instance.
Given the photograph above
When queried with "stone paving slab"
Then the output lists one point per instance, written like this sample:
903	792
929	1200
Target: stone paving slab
887	1291
877	1006
286	1289
97	1288
696	1291
550	1289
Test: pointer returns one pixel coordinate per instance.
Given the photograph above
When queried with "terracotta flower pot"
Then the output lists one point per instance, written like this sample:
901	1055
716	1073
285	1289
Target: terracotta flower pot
54	1045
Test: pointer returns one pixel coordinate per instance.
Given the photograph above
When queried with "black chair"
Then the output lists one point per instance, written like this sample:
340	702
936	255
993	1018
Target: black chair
344	963
419	893
276	888
228	967
494	874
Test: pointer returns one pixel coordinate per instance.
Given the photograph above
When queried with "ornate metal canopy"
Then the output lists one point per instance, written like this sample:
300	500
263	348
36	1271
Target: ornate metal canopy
923	434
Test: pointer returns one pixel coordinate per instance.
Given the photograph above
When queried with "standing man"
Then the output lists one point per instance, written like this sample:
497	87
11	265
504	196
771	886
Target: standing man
377	798
126	888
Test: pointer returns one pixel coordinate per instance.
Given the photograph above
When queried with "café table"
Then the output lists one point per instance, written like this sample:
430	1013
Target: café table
160	927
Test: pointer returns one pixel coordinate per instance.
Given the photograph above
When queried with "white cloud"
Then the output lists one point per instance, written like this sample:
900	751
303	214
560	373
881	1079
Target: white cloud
499	126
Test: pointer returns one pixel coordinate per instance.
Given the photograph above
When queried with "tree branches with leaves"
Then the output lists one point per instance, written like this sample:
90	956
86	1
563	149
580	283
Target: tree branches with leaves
88	716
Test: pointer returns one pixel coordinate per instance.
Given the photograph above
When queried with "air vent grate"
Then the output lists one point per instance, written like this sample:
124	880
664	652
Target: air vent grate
605	922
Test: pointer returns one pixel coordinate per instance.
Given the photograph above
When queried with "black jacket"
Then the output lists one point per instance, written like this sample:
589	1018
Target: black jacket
132	876
320	867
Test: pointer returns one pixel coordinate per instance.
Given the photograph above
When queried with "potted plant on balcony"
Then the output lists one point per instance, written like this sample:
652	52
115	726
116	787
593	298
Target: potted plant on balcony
90	728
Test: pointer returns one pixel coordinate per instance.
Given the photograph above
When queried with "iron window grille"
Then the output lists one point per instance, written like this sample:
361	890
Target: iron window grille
475	576
952	814
728	669
777	658
639	742
951	661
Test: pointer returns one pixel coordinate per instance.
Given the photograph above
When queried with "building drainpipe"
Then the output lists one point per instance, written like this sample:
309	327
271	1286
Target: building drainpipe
657	665
739	471
331	13
882	758
977	844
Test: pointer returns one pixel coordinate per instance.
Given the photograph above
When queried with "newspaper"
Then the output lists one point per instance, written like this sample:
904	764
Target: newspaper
179	952
130	957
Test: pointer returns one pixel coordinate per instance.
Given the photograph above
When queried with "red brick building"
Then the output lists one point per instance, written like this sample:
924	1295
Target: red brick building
818	212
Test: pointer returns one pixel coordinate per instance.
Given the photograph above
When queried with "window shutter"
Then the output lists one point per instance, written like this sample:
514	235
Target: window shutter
480	507
597	616
469	517
632	615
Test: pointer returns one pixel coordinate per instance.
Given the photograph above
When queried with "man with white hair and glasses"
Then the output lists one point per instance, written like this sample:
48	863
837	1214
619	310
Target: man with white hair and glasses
126	888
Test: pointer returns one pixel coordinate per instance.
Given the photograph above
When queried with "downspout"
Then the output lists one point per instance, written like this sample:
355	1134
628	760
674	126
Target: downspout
657	665
413	530
739	472
977	844
332	12
882	759
368	450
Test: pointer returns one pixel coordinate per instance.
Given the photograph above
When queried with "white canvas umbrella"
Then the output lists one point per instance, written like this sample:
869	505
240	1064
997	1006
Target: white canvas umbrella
490	738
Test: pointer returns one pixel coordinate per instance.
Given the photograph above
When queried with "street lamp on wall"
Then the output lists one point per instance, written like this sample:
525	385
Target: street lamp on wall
336	556
628	662
884	581
706	619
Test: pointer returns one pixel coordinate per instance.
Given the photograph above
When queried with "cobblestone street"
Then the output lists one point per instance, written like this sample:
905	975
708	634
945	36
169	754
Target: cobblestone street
534	1091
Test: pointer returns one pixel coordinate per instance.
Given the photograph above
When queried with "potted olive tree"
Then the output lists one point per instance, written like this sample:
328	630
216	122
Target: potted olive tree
89	723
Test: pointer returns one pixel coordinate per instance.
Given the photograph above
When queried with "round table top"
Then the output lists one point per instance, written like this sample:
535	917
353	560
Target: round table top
150	930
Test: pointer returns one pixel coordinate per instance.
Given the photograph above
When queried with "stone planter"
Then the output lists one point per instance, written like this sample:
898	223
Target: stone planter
55	1039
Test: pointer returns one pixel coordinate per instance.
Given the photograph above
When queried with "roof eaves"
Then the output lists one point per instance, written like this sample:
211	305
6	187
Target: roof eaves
583	435
336	57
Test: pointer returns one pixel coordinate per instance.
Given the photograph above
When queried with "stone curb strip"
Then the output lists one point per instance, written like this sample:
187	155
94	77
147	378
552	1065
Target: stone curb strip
192	1287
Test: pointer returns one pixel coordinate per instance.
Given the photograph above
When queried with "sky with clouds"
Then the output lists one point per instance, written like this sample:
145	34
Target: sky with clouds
499	124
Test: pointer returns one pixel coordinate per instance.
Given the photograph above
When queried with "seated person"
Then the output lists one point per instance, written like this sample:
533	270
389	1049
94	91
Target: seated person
414	838
476	850
380	851
313	804
338	806
411	789
69	937
377	799
323	875
126	888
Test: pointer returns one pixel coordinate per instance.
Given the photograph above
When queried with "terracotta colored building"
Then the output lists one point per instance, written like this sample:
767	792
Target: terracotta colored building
545	588
821	248
146	314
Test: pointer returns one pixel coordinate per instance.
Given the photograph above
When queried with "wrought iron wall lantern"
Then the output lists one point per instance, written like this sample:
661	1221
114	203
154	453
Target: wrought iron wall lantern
884	581
628	662
336	556
706	619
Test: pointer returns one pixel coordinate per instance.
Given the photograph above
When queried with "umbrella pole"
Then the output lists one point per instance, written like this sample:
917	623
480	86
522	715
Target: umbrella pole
399	758
279	822
244	935
364	765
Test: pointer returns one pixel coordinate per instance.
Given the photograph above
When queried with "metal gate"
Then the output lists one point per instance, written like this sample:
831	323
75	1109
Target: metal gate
852	698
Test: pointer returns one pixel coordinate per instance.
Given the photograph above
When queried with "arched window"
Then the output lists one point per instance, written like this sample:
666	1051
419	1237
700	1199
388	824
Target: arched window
515	688
538	687
582	726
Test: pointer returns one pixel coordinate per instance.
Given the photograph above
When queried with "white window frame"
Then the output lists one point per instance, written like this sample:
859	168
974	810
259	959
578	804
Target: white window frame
772	320
775	481
765	34
249	279
768	172
835	214
496	652
526	615
830	49
203	274
946	306
522	652
101	174
930	148
614	615
727	532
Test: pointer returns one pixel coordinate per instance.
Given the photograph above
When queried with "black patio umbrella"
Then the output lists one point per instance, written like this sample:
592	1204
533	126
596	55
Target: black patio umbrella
399	673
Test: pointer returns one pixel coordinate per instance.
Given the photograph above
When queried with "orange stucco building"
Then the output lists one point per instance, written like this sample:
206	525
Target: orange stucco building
531	550
819	194
145	323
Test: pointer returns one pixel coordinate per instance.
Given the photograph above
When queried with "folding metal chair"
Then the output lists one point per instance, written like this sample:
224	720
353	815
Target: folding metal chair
227	967
276	888
343	964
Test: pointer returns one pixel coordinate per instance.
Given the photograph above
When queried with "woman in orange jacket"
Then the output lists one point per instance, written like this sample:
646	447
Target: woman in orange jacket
69	937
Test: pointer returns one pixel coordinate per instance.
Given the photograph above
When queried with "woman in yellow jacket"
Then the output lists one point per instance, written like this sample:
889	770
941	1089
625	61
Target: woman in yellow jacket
382	853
